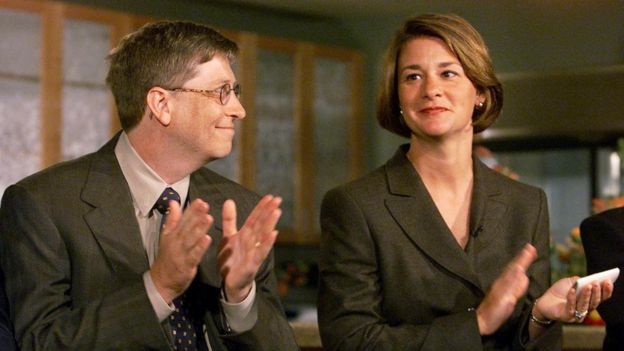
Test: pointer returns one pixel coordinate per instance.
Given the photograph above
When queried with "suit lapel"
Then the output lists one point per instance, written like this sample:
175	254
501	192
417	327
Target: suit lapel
205	187
112	219
413	209
489	205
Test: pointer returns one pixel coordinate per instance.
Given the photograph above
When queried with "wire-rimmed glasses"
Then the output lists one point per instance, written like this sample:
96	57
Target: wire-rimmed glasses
223	92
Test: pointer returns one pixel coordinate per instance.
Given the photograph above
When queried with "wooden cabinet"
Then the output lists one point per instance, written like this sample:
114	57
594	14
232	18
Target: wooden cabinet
302	134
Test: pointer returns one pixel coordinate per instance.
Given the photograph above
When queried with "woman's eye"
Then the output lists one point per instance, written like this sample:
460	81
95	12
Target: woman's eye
412	76
448	74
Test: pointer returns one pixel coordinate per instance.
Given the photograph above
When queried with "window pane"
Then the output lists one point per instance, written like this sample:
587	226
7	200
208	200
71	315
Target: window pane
332	108
85	47
20	47
20	135
565	177
86	104
275	150
86	120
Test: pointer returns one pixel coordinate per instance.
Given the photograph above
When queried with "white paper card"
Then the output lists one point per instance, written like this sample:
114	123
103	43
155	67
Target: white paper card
611	274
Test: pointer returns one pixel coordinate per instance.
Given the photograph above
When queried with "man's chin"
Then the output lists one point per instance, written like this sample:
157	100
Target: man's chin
219	155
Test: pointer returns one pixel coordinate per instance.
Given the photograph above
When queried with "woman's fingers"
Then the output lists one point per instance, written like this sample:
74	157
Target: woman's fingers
581	303
526	257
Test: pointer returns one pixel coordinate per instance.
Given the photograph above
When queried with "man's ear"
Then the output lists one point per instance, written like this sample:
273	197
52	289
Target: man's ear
158	100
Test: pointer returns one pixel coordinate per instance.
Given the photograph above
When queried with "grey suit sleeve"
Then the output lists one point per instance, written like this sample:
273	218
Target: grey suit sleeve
351	292
39	281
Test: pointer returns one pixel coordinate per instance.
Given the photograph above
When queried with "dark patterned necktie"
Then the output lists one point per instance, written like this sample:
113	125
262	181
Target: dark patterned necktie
186	329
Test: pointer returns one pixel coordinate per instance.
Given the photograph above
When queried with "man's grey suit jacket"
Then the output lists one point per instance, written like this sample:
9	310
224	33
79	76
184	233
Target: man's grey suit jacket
73	258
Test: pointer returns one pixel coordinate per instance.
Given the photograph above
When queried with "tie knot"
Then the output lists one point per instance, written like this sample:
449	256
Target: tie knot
162	204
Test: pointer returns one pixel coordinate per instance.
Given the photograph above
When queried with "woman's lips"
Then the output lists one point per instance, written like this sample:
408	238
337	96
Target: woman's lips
433	110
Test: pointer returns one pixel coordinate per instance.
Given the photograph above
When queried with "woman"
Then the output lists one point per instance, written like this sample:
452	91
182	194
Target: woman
434	251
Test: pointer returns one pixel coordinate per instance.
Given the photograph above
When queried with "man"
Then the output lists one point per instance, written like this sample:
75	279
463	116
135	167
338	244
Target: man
603	240
88	264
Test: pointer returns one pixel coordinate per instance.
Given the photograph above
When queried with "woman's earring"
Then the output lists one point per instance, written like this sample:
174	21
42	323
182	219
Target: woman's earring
480	104
402	118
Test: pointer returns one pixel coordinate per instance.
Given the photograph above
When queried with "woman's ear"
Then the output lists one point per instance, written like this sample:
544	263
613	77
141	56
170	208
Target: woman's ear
480	100
158	100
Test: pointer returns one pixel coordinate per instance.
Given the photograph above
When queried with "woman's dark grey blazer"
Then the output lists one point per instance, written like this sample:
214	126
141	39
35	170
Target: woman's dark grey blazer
392	276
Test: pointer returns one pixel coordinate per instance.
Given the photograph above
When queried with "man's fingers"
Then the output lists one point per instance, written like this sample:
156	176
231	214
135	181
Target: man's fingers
267	218
196	253
268	224
197	231
258	221
257	211
196	212
194	223
173	218
267	243
229	217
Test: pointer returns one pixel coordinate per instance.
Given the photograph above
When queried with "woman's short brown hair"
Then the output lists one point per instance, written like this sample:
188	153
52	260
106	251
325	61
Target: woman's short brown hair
163	54
464	42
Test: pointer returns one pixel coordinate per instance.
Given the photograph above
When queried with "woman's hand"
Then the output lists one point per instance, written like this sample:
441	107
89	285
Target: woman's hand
561	303
510	286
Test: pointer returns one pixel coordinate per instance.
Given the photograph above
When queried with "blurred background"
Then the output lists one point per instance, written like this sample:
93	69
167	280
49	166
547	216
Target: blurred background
309	72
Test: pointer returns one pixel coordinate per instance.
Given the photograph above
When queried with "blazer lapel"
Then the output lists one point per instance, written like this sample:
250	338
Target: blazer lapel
413	209
112	219
490	203
206	188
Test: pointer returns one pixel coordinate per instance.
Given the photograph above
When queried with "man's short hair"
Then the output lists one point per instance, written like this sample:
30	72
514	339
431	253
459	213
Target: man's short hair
163	54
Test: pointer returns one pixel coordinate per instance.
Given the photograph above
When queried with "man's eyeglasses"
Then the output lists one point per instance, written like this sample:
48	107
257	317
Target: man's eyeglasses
223	92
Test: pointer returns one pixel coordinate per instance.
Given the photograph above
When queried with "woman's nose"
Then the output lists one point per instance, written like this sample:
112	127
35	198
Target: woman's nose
431	87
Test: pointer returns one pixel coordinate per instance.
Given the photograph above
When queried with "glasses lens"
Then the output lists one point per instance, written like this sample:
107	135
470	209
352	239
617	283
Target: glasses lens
224	94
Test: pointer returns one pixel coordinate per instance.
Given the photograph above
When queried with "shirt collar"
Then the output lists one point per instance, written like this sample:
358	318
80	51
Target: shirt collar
145	185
